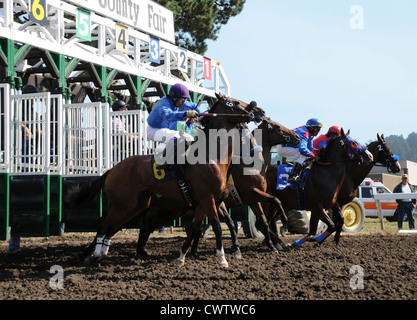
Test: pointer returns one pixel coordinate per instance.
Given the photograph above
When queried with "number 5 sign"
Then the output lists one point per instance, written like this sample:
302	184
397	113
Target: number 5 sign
207	69
83	24
38	12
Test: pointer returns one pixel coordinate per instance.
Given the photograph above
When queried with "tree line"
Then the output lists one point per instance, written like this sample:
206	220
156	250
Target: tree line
405	148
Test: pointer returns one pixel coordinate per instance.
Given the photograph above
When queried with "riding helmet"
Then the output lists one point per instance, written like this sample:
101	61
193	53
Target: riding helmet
179	91
29	89
314	123
335	129
117	105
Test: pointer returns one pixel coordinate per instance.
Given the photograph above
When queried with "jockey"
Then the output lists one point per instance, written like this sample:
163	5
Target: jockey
303	150
322	141
167	111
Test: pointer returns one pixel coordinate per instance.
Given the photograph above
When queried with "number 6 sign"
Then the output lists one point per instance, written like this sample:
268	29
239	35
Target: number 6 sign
38	12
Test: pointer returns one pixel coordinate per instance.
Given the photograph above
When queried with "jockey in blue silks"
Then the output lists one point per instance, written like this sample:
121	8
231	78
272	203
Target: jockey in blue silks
167	111
303	150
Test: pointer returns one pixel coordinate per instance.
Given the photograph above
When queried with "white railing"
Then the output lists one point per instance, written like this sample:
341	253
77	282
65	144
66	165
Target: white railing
391	196
128	135
86	138
4	127
49	137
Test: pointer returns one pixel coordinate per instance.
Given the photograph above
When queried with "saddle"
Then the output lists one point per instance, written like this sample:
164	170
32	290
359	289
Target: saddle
284	171
176	172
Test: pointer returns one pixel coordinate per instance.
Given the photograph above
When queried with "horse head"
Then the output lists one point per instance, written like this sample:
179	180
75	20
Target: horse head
344	147
250	111
274	133
356	150
385	156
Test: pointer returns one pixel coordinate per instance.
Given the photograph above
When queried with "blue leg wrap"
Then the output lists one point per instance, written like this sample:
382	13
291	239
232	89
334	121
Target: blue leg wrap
322	236
299	242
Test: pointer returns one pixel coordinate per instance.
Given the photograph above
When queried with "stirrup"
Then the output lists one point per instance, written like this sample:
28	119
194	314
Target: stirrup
294	180
164	166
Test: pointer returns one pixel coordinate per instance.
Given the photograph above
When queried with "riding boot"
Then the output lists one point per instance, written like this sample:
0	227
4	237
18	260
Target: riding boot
294	175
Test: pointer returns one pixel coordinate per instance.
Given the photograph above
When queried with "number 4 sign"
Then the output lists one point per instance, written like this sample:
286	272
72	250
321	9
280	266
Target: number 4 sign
207	69
122	38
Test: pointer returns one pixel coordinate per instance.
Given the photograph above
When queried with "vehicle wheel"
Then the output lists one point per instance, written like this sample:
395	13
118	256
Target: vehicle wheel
393	218
354	215
249	227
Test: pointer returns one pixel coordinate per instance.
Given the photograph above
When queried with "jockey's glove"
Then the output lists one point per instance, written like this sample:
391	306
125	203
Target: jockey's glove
190	114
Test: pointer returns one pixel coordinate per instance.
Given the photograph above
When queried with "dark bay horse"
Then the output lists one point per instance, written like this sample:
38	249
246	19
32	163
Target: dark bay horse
356	172
251	188
130	184
322	184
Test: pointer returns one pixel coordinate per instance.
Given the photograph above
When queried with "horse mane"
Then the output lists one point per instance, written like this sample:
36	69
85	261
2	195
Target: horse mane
324	153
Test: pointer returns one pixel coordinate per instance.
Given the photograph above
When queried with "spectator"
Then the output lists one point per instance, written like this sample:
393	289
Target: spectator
405	206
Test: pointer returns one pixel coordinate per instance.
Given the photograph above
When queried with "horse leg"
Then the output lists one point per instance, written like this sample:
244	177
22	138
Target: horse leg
262	225
215	223
314	220
330	227
339	221
143	237
115	219
222	210
195	242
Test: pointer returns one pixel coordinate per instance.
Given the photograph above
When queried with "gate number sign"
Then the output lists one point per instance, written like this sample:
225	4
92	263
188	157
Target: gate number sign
38	12
207	69
122	38
83	24
154	51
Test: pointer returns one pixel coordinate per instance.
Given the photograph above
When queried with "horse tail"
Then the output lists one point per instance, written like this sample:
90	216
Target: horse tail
81	195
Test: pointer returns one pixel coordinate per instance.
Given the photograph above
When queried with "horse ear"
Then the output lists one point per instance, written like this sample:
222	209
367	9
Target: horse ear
348	133
342	133
379	137
219	95
382	137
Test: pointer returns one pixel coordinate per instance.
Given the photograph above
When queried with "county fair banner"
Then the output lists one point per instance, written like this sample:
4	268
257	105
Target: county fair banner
144	15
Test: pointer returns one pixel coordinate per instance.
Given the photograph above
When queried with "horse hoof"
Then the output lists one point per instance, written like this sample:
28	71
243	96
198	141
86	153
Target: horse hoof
143	253
237	255
224	264
278	247
283	231
180	262
87	261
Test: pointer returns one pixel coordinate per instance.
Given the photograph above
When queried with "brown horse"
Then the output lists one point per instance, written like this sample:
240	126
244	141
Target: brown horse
322	184
251	188
130	184
356	172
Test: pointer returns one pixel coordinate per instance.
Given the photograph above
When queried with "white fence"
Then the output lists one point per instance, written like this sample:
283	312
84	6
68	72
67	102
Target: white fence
41	135
391	196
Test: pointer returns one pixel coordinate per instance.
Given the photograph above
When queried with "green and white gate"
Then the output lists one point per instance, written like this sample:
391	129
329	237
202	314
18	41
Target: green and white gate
80	58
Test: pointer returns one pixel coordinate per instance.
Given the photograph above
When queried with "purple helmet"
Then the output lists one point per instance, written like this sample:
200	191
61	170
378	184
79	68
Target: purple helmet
179	91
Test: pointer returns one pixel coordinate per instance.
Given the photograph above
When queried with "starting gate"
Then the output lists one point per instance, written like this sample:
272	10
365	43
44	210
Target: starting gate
65	134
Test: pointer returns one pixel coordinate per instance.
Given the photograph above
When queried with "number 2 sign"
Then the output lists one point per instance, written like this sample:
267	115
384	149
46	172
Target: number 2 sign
207	69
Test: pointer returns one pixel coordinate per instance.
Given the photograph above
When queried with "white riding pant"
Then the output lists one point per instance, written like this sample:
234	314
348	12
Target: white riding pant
291	153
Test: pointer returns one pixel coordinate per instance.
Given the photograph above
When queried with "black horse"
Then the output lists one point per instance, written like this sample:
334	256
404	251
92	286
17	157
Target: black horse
322	183
356	172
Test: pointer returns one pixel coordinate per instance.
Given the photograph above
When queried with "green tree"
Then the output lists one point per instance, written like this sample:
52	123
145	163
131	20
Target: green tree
199	20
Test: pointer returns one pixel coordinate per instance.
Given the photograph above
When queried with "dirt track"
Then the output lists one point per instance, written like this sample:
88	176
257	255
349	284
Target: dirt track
389	265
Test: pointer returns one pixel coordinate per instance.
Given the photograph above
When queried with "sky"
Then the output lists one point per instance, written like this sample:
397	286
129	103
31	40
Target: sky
347	63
